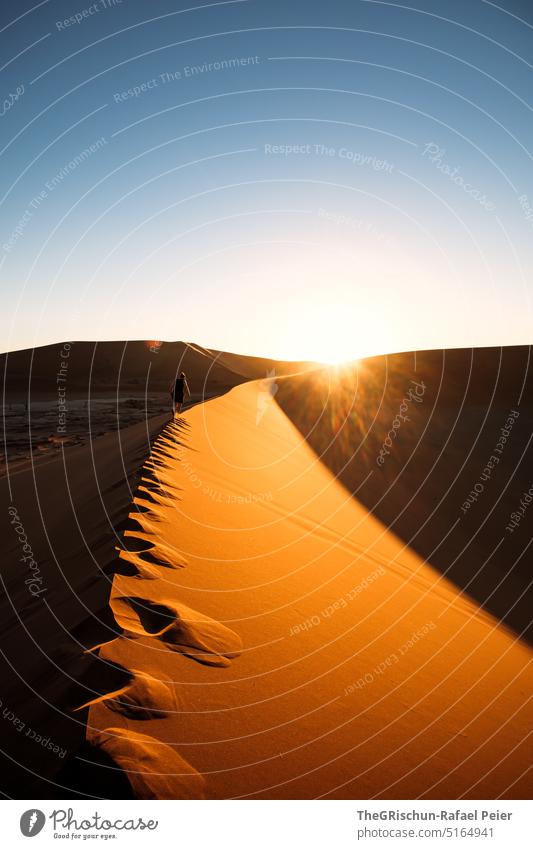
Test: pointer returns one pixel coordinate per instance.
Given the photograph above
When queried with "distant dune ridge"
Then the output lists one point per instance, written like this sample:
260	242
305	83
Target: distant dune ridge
289	594
116	366
60	395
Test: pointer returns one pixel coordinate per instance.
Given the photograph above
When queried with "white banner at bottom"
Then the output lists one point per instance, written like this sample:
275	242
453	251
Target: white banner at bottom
268	824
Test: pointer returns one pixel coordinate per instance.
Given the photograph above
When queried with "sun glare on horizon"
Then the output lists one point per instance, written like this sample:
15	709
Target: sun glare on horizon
336	359
330	337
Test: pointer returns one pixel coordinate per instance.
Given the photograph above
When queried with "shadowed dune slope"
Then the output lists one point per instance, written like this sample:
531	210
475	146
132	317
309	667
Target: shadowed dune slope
59	532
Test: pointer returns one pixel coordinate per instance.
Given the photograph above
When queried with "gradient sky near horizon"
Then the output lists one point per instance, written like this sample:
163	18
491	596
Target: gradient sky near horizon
296	180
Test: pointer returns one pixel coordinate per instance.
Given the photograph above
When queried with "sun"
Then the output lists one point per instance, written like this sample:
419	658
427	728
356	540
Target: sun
335	359
328	336
336	354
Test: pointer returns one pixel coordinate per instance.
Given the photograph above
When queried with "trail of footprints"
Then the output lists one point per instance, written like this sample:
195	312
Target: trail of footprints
154	769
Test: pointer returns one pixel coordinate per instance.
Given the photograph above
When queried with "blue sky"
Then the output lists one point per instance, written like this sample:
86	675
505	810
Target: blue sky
294	180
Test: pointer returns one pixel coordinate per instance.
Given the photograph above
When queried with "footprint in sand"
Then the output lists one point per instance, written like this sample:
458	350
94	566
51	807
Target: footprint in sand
129	566
133	543
149	485
170	449
163	454
151	478
140	508
147	496
91	678
152	553
179	627
142	511
154	461
149	474
154	770
154	496
143	697
130	523
162	555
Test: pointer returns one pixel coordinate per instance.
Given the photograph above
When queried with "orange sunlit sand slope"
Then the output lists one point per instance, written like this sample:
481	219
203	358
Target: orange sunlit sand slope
283	643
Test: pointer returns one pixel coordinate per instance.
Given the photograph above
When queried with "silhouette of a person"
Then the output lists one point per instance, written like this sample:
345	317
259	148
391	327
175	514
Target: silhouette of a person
178	390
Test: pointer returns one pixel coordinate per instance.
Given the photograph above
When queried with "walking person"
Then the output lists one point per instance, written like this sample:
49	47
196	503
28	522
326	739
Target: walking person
178	390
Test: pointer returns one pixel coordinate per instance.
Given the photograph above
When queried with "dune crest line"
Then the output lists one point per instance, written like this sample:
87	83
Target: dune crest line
154	769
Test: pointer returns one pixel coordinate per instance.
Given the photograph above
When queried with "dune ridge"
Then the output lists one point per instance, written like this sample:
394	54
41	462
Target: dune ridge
178	627
362	671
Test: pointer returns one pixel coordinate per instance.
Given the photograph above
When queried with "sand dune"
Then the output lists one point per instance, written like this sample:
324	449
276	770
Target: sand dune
437	444
350	667
69	467
244	603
